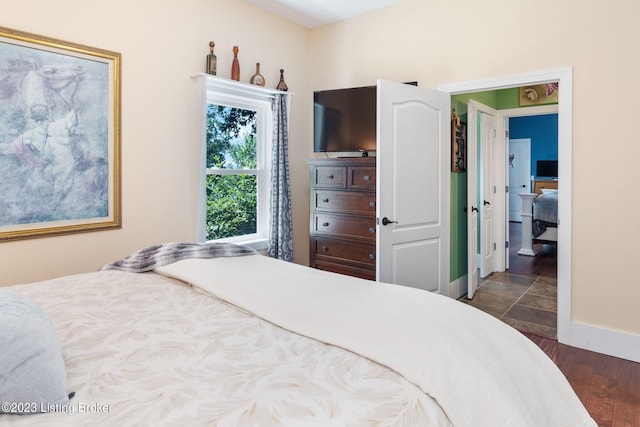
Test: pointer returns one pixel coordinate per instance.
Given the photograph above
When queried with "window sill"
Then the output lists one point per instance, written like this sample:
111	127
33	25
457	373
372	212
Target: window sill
259	244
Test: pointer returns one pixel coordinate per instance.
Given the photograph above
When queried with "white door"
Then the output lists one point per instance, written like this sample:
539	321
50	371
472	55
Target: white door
413	186
519	170
472	202
484	200
488	192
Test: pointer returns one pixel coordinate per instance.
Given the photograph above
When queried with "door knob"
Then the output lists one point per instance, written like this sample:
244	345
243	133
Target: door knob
486	203
386	221
473	208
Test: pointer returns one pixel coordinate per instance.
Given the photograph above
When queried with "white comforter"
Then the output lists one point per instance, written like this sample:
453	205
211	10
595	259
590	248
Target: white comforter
147	350
481	371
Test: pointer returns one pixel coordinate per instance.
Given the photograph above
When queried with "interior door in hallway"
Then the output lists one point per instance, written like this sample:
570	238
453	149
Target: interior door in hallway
485	173
488	192
519	170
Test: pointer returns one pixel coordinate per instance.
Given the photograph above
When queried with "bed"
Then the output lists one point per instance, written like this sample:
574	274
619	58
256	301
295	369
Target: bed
221	335
545	216
539	220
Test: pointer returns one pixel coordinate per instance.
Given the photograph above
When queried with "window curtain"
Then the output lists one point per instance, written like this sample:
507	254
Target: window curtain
281	233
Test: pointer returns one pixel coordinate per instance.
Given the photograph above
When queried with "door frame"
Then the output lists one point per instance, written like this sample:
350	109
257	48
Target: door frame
527	143
564	76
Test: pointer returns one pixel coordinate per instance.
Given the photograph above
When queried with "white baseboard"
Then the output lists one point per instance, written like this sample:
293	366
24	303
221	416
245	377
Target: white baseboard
605	341
458	287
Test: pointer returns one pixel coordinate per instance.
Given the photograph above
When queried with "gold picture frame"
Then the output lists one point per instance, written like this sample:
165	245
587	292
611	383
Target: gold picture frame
458	144
59	137
538	94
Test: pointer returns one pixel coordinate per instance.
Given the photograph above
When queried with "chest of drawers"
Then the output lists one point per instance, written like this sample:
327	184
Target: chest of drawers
343	216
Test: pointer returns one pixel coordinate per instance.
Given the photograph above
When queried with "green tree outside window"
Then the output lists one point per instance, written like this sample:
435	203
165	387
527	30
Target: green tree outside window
231	178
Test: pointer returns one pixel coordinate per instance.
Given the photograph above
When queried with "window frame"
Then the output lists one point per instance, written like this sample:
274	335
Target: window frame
238	95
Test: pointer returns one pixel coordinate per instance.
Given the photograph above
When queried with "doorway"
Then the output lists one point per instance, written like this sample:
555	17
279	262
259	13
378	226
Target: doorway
564	78
531	153
492	163
522	293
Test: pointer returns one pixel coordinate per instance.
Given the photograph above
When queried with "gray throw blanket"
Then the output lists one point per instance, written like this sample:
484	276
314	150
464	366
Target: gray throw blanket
155	256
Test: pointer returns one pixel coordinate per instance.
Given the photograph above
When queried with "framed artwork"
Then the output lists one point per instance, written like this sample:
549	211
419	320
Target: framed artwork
59	137
539	94
458	144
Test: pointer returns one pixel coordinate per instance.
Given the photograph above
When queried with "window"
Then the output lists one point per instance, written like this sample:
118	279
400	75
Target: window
232	173
235	186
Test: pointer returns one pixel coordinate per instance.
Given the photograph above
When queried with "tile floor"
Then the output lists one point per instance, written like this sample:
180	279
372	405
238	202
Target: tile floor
528	303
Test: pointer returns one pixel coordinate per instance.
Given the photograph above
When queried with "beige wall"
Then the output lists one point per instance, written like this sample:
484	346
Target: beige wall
434	42
163	43
440	41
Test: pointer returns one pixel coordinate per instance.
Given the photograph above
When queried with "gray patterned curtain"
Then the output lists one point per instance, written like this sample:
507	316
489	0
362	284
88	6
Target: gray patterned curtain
281	233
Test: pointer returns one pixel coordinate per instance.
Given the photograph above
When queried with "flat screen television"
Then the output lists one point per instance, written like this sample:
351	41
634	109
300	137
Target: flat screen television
344	120
547	168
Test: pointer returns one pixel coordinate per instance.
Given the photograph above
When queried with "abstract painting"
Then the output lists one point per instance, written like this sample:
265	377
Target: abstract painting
59	137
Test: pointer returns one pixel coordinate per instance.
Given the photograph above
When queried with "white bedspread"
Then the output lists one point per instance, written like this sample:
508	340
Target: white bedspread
481	371
147	350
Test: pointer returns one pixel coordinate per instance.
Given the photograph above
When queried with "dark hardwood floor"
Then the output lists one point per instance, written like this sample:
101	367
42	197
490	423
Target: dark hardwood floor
608	387
525	297
543	264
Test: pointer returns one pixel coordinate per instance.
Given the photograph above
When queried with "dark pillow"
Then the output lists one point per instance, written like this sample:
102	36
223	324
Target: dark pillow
32	371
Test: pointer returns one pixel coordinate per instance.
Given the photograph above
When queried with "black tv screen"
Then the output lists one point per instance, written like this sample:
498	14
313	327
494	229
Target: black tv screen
344	120
547	168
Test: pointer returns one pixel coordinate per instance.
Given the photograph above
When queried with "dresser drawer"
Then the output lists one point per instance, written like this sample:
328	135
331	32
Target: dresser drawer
362	178
346	269
348	226
344	251
329	177
345	202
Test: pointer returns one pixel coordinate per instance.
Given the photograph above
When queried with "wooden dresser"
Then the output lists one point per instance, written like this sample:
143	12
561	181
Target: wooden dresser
343	216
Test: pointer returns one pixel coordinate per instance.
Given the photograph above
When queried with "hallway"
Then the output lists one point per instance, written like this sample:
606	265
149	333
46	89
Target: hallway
525	296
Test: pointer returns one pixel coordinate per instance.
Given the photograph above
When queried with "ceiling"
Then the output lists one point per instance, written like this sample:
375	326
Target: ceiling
316	13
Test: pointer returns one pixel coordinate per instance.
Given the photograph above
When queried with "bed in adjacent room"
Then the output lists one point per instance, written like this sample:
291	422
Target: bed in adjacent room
539	220
228	337
545	217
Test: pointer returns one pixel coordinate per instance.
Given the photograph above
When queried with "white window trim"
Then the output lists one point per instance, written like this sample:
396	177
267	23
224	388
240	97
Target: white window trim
215	90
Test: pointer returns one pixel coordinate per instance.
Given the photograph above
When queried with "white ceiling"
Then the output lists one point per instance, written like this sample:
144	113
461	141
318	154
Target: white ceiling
316	13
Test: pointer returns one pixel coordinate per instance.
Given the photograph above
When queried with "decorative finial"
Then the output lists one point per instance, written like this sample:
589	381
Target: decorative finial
281	84
235	65
212	60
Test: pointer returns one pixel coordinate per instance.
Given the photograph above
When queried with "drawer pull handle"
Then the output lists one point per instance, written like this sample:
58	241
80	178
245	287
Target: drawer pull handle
325	224
372	230
325	249
372	256
330	176
372	204
325	200
367	177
